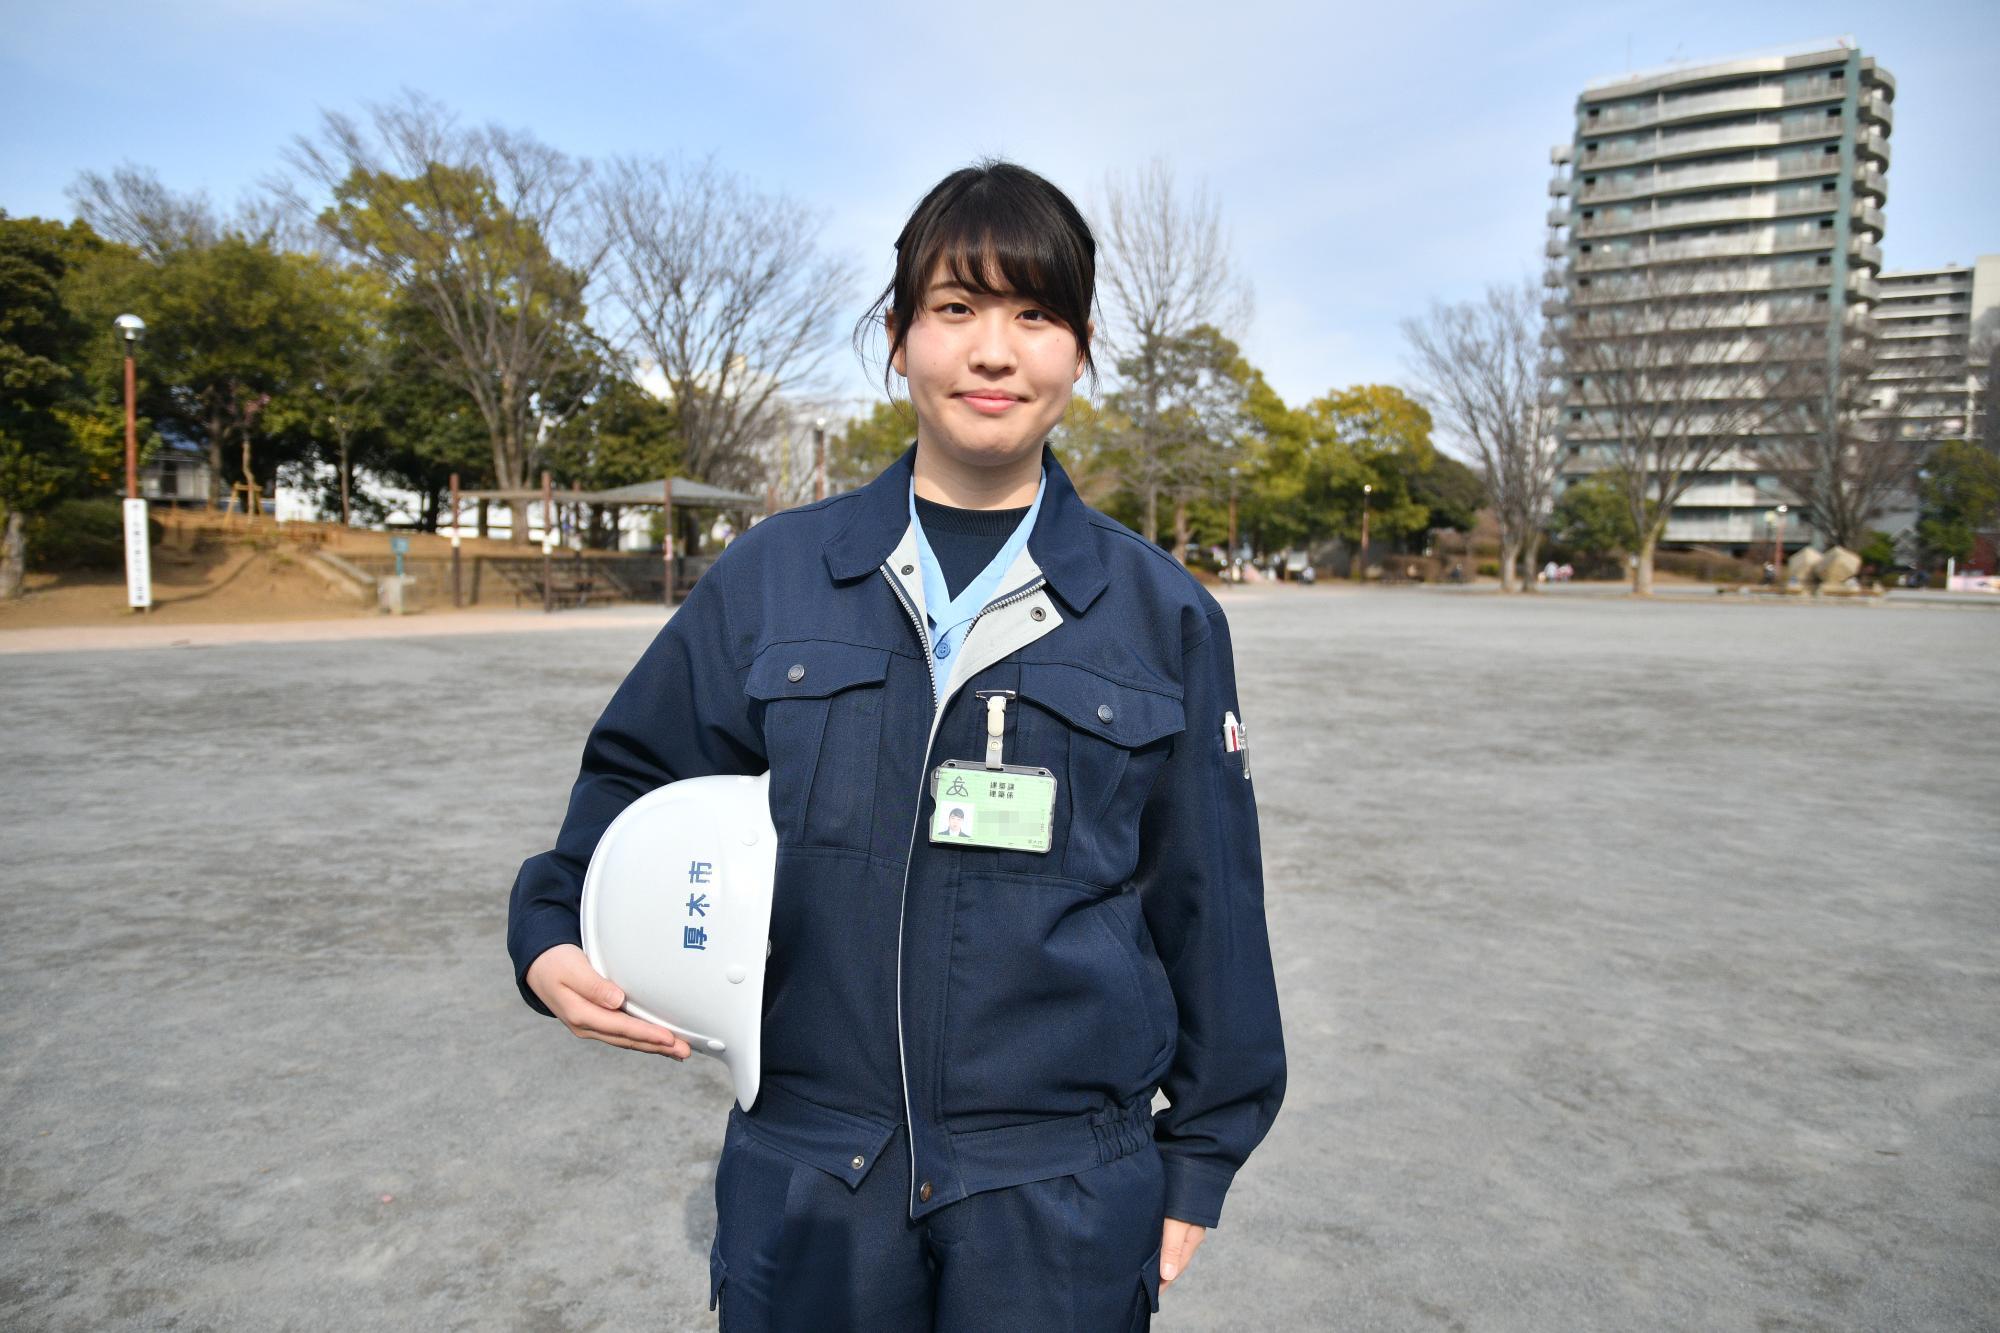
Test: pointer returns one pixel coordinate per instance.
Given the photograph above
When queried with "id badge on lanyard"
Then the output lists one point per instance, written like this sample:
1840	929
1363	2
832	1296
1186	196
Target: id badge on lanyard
993	804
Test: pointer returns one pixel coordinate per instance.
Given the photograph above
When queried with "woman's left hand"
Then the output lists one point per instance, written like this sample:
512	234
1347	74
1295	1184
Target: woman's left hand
1178	1242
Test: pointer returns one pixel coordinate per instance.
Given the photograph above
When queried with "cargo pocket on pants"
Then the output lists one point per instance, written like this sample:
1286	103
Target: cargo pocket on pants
1149	1286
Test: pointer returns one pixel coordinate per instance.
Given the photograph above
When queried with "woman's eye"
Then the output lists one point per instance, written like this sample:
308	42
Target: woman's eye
1042	315
954	308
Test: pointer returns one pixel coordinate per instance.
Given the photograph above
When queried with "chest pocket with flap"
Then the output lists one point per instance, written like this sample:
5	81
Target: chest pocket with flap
821	704
1108	741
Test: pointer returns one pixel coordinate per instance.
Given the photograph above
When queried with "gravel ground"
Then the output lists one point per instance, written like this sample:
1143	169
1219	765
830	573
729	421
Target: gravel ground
1640	968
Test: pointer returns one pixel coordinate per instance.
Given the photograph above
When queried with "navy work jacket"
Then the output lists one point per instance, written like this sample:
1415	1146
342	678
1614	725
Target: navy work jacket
1016	1010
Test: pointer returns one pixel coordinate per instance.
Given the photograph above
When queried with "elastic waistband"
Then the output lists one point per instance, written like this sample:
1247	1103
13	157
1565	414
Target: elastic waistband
1042	1149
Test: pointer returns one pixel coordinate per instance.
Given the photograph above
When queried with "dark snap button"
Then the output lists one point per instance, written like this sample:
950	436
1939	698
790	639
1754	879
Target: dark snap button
797	673
924	1192
1039	613
1104	712
909	569
858	1162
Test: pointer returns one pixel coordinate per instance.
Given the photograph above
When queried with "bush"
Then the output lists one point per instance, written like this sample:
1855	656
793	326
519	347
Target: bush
83	534
1708	566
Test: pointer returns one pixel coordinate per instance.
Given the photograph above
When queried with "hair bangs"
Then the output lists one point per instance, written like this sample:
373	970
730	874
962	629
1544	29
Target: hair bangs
995	229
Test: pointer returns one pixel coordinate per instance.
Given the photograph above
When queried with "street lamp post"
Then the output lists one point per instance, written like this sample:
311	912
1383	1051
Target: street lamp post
1361	563
1778	549
819	459
1229	567
138	550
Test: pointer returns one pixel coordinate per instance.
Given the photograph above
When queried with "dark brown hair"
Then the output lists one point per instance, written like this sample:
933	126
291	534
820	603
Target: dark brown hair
993	220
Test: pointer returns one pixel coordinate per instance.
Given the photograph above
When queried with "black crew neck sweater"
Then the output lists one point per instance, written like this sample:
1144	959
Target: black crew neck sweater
965	540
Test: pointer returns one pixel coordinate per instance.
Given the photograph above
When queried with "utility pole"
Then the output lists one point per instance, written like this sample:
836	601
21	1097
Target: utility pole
457	587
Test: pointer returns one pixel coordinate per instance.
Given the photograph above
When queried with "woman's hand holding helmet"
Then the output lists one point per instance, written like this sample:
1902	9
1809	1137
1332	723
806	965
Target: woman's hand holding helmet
590	1006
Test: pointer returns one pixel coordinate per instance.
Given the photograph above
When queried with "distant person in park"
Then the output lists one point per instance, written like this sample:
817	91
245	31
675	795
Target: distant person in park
961	1041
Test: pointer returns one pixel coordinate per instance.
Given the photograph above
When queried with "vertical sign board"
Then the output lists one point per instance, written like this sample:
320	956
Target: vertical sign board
138	557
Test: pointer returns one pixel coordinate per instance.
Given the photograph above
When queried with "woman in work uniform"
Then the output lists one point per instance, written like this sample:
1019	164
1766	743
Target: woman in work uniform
965	1020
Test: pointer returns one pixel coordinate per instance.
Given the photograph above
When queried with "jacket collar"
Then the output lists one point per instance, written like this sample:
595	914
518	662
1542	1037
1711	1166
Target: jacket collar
1061	542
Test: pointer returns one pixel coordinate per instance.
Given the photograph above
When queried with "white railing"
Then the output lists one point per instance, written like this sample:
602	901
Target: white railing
1762	97
1749	170
1812	127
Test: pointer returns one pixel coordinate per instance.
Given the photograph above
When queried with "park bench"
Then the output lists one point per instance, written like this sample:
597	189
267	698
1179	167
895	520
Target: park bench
569	582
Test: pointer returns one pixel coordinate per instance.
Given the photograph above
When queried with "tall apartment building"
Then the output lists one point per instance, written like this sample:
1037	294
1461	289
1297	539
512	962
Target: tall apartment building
1924	325
1762	177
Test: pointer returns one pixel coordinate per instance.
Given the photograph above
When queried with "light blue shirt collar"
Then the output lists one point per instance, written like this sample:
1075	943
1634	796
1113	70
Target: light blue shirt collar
951	617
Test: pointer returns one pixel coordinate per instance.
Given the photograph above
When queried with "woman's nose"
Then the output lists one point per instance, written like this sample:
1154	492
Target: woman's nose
993	348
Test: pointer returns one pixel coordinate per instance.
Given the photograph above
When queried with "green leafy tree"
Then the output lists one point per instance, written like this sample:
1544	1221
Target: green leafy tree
1090	439
1592	519
1878	553
233	328
1958	498
1452	492
621	435
467	227
1390	435
866	445
42	343
352	366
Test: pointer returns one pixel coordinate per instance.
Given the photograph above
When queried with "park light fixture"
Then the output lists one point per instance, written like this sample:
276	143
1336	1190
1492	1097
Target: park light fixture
1361	558
138	553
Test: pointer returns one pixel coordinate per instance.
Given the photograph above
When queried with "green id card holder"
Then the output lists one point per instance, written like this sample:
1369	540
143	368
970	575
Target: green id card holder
1010	807
1007	806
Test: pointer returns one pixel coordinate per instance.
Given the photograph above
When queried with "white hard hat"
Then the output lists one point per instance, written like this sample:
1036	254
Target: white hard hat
677	911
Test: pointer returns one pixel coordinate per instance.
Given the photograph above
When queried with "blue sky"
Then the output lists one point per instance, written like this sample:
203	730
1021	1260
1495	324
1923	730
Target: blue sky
1368	158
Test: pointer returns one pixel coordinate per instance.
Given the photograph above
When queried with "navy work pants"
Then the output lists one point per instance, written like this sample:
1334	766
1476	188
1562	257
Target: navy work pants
797	1249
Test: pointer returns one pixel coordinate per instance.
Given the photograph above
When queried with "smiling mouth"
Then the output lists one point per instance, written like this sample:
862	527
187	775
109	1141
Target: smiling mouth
987	401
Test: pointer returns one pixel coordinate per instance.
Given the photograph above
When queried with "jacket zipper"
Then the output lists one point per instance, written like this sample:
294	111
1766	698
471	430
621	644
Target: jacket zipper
916	821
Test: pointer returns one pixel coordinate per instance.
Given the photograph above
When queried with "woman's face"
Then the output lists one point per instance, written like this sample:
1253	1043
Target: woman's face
989	375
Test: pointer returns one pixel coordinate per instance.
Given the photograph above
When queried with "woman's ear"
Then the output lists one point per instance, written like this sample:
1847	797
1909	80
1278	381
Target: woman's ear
1089	334
896	358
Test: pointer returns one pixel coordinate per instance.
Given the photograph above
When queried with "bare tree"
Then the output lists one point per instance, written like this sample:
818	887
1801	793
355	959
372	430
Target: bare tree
1165	271
1846	444
483	230
1483	371
132	207
725	290
1666	371
1983	382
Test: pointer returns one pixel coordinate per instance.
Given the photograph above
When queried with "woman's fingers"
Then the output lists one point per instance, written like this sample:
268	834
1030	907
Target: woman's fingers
1178	1242
589	1004
586	1018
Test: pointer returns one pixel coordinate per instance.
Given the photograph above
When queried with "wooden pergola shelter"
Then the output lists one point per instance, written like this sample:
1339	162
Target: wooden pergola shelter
663	494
